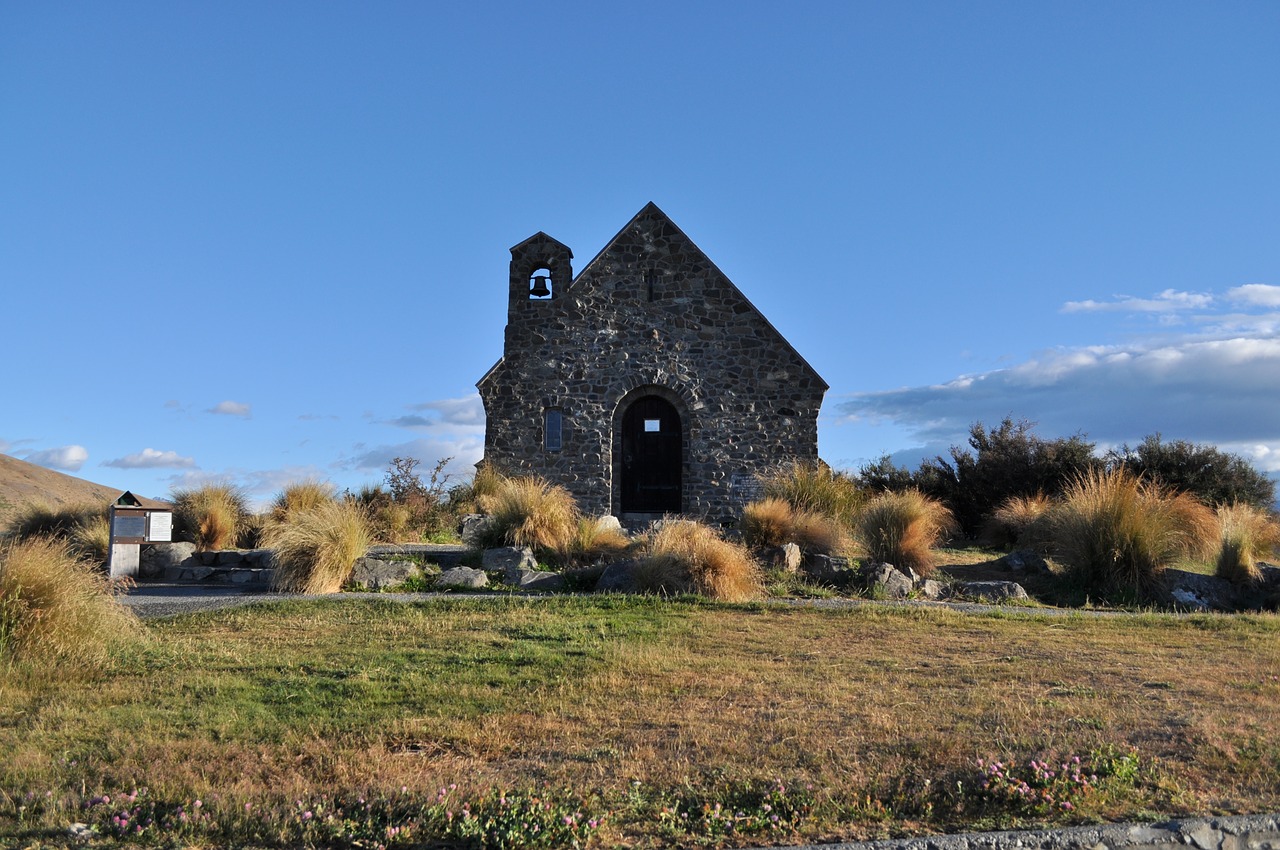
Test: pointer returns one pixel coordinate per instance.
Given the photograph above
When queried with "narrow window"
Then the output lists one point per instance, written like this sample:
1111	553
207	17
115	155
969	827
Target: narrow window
650	281
552	427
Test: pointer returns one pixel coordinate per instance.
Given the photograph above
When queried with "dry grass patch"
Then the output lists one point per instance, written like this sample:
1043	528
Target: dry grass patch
902	529
300	497
773	522
817	488
529	511
688	557
54	606
210	517
1018	521
1246	535
316	549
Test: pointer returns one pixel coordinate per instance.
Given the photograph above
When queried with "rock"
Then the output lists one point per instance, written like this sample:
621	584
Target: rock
155	558
510	561
376	574
1024	561
829	569
537	580
229	558
463	577
263	559
930	589
1199	592
608	522
207	559
618	577
990	591
888	582
471	527
786	557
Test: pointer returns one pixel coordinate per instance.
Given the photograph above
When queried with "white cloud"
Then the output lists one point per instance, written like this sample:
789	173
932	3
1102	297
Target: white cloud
1260	294
152	459
69	458
1225	392
464	453
446	417
1168	301
231	408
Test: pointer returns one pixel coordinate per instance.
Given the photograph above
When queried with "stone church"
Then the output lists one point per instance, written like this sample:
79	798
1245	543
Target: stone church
648	384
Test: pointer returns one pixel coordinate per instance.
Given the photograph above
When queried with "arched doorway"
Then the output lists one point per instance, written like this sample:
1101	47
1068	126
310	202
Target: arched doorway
652	457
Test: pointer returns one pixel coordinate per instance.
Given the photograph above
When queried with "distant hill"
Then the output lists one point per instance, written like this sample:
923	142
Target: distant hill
22	482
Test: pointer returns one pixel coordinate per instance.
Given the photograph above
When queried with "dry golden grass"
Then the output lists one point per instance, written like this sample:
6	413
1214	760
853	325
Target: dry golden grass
594	540
687	557
1018	521
209	516
56	607
530	511
773	522
815	487
1114	532
40	519
300	497
1246	535
316	549
91	539
902	529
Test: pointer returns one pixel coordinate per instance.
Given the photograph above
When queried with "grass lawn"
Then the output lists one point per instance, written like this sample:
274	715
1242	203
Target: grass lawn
644	722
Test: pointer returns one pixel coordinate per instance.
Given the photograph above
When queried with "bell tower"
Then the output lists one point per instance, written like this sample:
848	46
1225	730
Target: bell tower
541	268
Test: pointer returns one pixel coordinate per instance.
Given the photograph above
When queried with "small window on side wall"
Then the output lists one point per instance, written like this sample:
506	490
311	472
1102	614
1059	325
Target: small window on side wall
552	429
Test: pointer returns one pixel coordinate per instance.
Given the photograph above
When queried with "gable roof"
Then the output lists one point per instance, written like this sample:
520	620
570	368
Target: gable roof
653	211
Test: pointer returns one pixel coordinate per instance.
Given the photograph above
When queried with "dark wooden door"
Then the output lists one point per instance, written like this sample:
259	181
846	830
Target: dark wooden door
652	457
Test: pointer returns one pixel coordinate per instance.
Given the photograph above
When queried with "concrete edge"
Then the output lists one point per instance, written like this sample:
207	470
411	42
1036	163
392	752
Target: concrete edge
1237	832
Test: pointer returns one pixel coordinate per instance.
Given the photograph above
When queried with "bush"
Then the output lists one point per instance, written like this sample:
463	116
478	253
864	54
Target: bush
471	496
1114	532
687	557
316	549
1246	534
902	528
773	522
210	516
531	512
816	488
1214	477
56	607
1019	521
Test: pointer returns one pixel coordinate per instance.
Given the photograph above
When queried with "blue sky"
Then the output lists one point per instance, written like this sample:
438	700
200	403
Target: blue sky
268	241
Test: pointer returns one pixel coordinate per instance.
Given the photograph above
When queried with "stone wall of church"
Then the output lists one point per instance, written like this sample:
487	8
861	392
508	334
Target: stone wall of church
651	315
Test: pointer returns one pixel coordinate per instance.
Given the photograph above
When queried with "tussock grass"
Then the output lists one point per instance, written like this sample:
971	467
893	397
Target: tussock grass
40	519
316	549
300	497
91	539
1018	521
902	528
594	540
472	496
530	511
1246	535
210	516
56	607
687	557
816	488
774	522
1114	532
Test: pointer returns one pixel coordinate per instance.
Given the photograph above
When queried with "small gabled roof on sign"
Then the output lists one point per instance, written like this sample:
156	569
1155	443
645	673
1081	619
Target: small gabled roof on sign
128	500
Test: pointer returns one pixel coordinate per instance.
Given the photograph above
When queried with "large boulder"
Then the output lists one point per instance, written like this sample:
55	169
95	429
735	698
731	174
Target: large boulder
537	580
1024	561
377	574
1197	592
510	561
464	578
989	591
829	569
471	527
618	577
786	558
155	558
884	581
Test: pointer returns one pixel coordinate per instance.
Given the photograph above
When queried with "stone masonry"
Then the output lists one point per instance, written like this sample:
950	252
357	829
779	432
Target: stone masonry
649	321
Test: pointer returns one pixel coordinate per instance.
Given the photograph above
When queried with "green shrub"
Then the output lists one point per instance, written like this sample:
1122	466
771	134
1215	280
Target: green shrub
531	512
56	607
210	516
1114	532
902	529
1211	475
683	556
1246	534
316	549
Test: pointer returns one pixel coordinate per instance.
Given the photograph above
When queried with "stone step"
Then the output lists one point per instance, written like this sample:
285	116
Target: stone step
239	576
445	554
